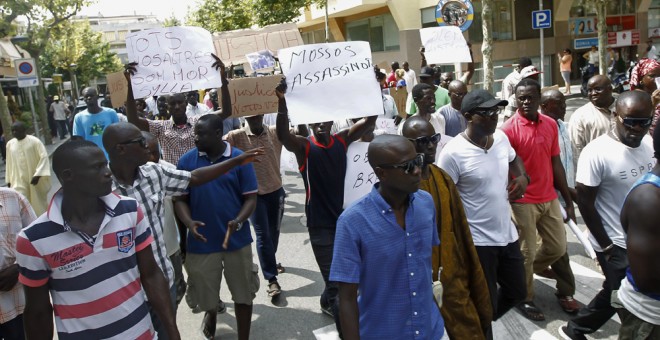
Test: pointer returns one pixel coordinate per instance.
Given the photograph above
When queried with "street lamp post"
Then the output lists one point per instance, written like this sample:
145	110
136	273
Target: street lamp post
74	83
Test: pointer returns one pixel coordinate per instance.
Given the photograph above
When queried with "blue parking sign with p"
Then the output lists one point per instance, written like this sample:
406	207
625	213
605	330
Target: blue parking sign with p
541	19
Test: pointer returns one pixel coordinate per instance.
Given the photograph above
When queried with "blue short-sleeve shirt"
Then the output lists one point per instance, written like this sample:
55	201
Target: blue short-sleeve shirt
218	202
391	266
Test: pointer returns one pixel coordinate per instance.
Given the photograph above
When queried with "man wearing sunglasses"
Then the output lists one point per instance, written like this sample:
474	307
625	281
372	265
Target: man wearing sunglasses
607	169
593	119
480	161
534	136
383	250
455	123
467	308
149	183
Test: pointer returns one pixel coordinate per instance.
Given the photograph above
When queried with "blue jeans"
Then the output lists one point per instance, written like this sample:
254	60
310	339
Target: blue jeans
266	220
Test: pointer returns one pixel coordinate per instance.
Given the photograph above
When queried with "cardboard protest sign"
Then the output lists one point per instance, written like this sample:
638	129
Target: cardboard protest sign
118	87
253	96
327	82
360	176
171	60
232	46
444	45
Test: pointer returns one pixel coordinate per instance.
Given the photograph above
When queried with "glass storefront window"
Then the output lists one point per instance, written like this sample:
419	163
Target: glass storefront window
380	31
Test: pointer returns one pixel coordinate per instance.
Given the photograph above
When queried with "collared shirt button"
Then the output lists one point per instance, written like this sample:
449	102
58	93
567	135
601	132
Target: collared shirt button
409	254
414	313
412	274
407	234
416	332
414	293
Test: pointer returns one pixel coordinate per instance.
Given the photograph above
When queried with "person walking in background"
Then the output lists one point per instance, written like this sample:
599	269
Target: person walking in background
565	61
592	59
60	111
28	167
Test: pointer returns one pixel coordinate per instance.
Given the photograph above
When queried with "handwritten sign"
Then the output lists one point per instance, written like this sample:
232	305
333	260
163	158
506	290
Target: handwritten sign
328	82
118	87
232	46
171	60
360	176
253	96
445	45
386	125
288	161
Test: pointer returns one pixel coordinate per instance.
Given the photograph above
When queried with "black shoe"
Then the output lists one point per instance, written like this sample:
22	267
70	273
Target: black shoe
567	334
327	310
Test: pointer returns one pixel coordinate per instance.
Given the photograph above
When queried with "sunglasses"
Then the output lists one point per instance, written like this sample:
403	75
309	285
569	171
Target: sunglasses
408	166
630	122
487	112
426	140
141	141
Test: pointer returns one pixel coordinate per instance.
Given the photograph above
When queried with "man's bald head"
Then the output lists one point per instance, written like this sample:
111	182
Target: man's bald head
414	125
636	104
553	104
118	133
388	149
600	79
457	86
551	95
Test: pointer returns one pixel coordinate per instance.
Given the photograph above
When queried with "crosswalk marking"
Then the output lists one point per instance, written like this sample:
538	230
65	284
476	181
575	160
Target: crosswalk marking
588	282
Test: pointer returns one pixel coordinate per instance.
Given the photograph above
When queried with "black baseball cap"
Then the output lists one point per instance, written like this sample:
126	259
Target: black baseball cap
480	99
426	71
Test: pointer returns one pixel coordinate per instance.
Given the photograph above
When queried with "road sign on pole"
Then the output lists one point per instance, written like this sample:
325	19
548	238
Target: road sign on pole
26	72
541	19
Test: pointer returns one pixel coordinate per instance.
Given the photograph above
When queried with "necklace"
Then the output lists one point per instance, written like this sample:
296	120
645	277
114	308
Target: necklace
616	138
485	147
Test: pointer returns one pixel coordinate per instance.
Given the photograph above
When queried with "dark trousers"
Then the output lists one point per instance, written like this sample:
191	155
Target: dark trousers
503	266
266	220
599	310
323	243
61	128
13	329
565	277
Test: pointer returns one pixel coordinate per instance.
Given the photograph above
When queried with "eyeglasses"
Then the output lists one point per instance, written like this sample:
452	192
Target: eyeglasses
630	122
408	166
487	112
141	141
426	140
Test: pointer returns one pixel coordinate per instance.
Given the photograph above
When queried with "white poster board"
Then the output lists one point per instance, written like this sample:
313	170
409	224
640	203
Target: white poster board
328	82
360	176
444	45
288	161
386	125
171	60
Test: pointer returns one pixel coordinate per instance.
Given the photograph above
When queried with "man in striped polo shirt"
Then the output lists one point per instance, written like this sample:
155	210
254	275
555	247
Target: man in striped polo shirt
91	251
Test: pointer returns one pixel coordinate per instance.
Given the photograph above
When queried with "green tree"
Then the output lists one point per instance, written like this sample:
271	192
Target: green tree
227	15
45	17
222	15
76	43
171	22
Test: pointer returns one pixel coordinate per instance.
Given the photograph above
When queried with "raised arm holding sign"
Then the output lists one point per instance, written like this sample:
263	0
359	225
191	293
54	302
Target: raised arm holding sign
444	45
171	60
328	82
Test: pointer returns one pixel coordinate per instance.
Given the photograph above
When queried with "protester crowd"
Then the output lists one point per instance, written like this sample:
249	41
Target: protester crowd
447	242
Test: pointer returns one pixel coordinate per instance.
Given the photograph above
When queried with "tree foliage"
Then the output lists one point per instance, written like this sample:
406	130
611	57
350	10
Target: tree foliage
171	21
226	15
76	43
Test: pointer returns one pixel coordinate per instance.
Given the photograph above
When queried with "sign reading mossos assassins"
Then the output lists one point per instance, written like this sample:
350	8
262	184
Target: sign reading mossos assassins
458	13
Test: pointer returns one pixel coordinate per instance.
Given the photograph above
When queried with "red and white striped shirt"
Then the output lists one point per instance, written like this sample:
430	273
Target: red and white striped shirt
94	281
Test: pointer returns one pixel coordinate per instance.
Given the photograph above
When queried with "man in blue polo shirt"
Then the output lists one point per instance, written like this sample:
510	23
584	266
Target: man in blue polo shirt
219	238
383	249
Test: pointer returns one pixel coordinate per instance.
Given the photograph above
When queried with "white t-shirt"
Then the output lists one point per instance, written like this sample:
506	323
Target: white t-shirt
640	305
411	79
481	179
652	53
437	120
613	167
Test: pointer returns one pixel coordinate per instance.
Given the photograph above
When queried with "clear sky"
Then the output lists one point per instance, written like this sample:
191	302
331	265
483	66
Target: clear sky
161	9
